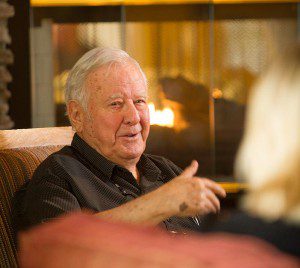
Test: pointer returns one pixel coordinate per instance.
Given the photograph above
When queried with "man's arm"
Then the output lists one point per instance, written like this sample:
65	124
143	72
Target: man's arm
183	196
40	202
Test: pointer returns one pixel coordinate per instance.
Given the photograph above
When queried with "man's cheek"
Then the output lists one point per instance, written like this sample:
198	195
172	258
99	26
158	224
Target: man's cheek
89	129
109	137
145	116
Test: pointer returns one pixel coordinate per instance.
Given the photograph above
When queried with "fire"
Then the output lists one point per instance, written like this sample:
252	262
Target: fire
162	118
217	93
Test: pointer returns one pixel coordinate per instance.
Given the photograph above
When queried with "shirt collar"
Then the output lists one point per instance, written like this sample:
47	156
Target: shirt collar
148	169
145	166
95	159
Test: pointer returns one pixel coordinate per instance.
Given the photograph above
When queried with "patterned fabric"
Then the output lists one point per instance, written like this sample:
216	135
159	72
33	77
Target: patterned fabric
16	168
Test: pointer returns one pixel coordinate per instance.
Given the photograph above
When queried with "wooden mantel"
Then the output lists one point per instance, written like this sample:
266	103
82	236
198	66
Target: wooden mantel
44	3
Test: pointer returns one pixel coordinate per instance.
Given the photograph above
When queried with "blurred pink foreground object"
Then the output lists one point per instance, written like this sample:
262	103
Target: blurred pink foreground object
81	240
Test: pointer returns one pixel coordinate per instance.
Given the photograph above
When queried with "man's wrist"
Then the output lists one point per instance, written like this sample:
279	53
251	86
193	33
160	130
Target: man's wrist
164	205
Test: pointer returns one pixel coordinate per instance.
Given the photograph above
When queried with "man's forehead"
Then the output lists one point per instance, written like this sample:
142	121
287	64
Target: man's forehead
117	74
120	82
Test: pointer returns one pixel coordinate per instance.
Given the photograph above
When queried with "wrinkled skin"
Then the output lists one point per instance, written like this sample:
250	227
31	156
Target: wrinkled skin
117	122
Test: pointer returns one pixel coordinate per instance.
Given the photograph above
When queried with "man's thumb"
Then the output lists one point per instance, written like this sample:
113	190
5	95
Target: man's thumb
190	170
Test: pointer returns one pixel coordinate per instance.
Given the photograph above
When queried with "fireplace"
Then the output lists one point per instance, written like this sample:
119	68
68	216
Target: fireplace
200	60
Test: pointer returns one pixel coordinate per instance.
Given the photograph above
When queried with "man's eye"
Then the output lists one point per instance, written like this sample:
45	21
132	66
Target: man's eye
140	101
116	103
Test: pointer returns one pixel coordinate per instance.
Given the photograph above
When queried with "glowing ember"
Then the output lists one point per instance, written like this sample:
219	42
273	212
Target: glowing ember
162	118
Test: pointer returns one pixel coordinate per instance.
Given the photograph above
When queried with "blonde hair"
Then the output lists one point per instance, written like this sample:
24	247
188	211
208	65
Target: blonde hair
269	155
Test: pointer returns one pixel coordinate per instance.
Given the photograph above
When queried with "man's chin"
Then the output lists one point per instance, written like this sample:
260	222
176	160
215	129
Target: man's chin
131	154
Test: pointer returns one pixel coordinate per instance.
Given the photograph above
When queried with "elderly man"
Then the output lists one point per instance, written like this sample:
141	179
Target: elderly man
105	169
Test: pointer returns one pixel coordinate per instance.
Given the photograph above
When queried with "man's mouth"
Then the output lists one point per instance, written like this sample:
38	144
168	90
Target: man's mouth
131	135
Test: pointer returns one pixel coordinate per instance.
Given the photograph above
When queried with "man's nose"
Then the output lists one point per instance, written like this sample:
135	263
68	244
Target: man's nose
131	115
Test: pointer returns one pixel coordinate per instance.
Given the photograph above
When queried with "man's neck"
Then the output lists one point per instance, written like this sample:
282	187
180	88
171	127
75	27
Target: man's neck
131	166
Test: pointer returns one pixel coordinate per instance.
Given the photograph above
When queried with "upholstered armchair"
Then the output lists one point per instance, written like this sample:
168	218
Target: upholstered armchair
21	151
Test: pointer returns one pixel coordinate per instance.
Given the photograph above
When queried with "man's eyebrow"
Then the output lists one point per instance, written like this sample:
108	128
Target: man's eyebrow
120	95
142	95
115	96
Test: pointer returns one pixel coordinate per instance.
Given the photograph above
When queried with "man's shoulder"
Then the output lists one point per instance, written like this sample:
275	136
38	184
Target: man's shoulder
51	163
66	151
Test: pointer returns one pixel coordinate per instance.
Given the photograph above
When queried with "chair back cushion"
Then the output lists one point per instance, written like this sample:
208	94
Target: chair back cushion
16	168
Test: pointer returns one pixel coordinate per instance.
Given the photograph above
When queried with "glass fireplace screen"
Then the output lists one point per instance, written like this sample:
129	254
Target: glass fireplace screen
200	60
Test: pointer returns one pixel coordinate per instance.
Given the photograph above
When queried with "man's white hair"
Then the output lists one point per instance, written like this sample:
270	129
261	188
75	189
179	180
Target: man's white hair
91	60
269	155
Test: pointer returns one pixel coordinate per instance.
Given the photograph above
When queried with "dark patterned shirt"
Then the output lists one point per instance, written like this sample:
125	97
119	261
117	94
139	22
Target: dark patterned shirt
77	177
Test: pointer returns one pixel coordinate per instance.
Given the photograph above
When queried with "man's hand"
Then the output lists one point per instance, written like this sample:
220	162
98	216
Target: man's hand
187	195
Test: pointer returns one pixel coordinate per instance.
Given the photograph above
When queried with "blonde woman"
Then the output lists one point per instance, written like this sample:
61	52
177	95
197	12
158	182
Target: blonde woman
269	158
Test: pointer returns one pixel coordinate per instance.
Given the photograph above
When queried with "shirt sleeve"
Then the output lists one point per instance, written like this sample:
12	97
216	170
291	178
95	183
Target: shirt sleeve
44	200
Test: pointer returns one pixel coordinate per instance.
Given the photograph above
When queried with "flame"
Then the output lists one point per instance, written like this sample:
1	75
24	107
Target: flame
162	118
217	93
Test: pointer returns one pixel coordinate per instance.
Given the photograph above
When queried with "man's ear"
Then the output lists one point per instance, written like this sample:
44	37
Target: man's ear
76	115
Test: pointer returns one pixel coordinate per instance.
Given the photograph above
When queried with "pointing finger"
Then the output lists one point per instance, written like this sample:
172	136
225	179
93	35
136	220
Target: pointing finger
213	199
214	187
